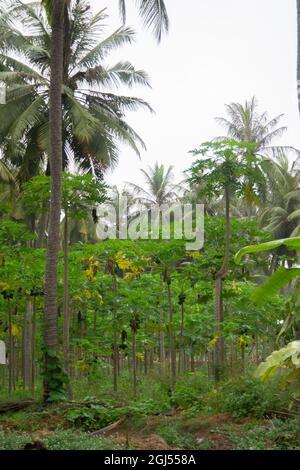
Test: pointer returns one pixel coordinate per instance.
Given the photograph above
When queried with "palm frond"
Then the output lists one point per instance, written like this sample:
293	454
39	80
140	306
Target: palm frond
153	13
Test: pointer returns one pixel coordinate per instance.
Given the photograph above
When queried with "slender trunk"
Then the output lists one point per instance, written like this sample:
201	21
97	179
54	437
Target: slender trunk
56	147
115	344
256	350
192	360
162	353
41	230
115	358
219	313
66	327
33	346
27	346
181	361
11	350
171	336
134	362
145	360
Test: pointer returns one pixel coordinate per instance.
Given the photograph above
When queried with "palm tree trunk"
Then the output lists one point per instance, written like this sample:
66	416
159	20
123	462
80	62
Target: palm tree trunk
51	303
219	313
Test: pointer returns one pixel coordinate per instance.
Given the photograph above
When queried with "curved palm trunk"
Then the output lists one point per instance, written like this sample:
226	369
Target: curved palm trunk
219	313
57	49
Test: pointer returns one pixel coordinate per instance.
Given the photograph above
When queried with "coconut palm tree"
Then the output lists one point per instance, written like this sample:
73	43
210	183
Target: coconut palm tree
93	120
6	175
160	187
56	163
244	123
154	14
277	215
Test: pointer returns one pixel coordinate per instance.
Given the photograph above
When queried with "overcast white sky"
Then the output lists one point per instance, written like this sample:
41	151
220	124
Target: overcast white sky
218	51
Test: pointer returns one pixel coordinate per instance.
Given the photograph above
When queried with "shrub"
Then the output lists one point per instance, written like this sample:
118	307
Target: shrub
190	392
248	397
173	438
93	417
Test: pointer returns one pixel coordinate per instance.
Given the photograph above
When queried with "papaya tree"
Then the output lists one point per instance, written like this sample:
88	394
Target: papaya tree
226	169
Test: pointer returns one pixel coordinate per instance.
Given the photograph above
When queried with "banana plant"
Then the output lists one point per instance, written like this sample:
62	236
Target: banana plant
282	277
285	361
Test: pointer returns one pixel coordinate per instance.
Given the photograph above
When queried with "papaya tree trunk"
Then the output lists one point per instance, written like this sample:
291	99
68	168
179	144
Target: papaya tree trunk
134	362
162	352
27	345
33	339
11	350
171	336
66	327
115	341
219	313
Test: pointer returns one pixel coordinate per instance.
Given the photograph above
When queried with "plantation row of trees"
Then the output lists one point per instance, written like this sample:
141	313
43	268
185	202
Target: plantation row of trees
72	307
60	38
149	305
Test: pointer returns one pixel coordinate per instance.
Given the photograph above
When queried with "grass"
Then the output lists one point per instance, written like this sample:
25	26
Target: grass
59	440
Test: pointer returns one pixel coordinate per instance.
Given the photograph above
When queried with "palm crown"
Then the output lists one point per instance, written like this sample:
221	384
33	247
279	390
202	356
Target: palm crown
244	123
153	13
159	184
93	118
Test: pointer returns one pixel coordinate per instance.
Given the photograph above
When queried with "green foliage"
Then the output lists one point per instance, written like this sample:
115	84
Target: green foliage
275	435
190	392
94	121
54	375
285	361
14	233
274	284
293	243
93	417
174	438
228	164
248	397
148	407
154	15
79	193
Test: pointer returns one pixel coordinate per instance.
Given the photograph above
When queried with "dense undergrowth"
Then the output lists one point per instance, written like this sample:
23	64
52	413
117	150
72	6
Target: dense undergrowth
241	413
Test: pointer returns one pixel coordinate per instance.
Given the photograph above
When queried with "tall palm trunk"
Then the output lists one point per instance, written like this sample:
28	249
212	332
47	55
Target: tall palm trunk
219	313
57	50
